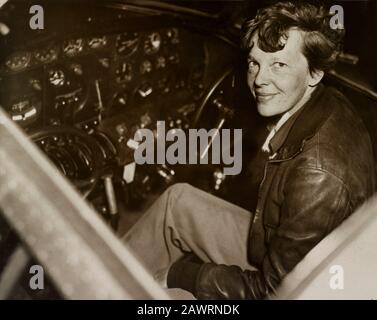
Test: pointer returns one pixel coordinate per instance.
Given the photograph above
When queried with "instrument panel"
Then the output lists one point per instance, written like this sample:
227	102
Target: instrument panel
82	94
125	44
81	79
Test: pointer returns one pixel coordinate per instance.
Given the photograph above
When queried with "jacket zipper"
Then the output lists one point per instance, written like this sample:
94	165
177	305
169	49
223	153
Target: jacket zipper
259	191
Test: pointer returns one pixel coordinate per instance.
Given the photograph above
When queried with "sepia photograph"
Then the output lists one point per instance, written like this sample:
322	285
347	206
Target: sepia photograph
188	150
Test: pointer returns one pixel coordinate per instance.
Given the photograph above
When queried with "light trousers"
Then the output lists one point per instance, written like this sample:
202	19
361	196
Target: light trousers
185	219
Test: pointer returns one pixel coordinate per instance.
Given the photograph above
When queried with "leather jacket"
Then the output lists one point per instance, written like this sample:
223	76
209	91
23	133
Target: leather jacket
321	172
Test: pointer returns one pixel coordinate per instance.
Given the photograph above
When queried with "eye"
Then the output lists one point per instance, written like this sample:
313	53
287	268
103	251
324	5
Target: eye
280	65
252	65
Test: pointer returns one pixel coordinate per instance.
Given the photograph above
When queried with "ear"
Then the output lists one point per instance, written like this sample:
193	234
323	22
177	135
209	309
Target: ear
315	77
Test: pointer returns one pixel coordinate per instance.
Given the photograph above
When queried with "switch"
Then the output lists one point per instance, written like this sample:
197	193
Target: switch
145	90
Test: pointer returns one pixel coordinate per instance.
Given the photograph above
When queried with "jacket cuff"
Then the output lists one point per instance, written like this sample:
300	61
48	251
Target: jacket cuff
183	274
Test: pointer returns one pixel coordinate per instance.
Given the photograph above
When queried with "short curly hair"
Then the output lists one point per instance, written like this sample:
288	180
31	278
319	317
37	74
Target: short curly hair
321	43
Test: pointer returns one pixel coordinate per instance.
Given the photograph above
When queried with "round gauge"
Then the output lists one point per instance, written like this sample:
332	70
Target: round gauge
25	110
18	61
161	62
20	106
73	47
56	77
46	55
145	67
153	43
127	43
97	42
173	35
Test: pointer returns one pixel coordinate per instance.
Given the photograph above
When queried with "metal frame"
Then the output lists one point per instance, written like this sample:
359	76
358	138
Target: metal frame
82	256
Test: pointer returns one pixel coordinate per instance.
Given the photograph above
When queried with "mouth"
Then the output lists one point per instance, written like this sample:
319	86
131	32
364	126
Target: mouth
263	97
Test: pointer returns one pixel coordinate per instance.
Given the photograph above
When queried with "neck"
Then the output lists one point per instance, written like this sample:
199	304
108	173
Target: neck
273	121
303	100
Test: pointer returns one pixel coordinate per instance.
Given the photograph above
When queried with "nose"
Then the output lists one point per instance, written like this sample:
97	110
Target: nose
262	77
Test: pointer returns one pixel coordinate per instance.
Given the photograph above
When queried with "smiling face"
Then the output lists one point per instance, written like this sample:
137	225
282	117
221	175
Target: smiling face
280	81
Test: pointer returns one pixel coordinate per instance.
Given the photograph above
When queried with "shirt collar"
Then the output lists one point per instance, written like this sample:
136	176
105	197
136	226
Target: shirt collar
282	132
284	126
279	132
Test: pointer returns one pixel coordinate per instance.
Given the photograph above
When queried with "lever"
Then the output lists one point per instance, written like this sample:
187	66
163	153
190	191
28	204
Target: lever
225	113
99	98
111	200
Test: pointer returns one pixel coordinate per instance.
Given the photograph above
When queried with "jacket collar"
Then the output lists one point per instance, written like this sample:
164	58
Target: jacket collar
302	126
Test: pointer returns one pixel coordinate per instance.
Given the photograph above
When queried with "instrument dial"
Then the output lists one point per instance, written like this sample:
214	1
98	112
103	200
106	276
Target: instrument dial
153	43
173	35
25	110
127	43
146	67
73	47
161	62
18	61
56	77
47	54
97	42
